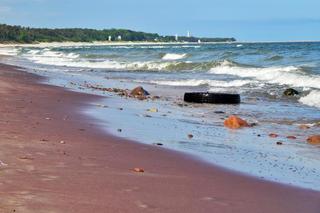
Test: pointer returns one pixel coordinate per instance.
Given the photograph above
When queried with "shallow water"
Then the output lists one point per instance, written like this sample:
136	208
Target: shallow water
259	72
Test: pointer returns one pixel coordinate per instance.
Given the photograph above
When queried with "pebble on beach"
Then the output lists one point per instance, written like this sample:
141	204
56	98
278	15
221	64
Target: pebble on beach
153	110
291	137
273	135
138	170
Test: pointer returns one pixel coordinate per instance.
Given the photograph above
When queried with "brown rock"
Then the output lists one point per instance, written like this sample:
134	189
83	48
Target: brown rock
234	122
292	137
314	140
273	135
139	93
138	170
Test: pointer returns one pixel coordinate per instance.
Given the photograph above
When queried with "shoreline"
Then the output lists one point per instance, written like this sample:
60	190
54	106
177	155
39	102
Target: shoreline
124	43
203	123
65	150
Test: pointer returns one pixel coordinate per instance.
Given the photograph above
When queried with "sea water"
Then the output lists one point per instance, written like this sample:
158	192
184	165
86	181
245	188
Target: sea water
259	72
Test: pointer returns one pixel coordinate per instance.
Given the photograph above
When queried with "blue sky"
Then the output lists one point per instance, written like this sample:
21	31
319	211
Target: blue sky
246	20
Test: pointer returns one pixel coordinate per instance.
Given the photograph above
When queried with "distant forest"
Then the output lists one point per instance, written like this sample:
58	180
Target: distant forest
18	34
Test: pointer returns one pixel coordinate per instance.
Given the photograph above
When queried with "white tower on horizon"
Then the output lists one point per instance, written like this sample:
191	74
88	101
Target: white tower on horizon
177	37
188	34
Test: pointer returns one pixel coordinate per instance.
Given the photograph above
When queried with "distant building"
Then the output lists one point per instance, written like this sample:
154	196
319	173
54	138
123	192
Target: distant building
188	34
110	38
119	37
177	37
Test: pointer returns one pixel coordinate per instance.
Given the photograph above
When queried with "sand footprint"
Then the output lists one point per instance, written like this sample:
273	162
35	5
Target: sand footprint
140	204
216	200
49	177
133	189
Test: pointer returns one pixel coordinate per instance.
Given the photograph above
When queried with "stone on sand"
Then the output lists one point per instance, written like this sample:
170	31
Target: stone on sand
234	122
139	93
314	140
273	135
138	170
153	110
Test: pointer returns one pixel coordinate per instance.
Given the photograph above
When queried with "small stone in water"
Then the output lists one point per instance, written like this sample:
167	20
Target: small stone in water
292	137
273	135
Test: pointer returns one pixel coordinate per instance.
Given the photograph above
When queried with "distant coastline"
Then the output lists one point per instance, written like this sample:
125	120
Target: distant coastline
26	35
99	43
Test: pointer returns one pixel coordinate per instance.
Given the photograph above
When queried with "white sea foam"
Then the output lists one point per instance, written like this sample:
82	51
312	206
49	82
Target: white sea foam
8	51
211	83
312	99
49	57
56	58
173	56
289	75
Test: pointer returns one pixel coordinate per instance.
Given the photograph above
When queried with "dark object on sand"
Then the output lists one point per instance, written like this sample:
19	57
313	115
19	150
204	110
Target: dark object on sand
219	112
212	98
159	144
290	92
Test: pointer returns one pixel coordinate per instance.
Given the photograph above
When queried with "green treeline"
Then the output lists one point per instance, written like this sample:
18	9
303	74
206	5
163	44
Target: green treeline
18	34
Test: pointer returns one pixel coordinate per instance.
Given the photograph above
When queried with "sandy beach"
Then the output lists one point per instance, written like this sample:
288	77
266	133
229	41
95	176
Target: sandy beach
55	159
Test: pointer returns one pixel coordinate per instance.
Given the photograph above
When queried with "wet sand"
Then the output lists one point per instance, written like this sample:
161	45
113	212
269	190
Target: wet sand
54	159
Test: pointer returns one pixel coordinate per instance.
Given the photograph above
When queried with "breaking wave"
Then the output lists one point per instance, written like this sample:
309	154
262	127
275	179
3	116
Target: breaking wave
173	56
8	51
287	75
312	99
168	63
211	83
